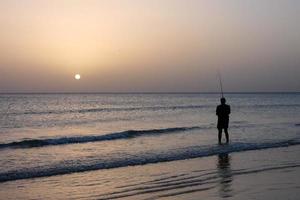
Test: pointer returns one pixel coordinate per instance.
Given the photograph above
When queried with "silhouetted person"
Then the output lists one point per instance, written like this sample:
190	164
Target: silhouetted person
223	112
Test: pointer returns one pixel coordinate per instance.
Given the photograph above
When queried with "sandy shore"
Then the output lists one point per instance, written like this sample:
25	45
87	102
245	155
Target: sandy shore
263	174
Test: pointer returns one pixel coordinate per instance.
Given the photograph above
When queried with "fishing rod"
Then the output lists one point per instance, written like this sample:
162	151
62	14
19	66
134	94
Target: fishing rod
220	82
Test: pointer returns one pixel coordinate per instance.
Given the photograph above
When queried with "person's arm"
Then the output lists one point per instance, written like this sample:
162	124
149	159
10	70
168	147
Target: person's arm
229	110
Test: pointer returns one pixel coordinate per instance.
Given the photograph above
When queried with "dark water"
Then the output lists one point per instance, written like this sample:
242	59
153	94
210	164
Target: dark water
57	134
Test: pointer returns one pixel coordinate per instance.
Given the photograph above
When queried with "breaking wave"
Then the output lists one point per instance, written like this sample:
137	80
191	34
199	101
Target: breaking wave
94	138
139	159
113	109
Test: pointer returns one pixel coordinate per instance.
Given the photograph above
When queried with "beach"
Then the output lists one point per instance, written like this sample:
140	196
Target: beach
148	146
259	174
149	99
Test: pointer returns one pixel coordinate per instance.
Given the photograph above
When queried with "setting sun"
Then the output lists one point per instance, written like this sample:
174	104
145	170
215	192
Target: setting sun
77	76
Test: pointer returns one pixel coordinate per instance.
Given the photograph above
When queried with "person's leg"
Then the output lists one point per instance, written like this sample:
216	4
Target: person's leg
220	135
226	134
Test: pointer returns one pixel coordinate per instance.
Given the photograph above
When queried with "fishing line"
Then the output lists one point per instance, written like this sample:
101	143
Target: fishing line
220	82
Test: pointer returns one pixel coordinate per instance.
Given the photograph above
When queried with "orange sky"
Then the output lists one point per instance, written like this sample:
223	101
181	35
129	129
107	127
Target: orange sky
143	46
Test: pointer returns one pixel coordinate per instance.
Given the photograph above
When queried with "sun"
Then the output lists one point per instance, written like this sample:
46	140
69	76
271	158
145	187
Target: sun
77	76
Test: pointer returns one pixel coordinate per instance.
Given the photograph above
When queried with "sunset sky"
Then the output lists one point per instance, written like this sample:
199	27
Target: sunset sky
149	45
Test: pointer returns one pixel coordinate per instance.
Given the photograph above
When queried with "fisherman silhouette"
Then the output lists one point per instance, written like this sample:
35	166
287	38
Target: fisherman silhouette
223	112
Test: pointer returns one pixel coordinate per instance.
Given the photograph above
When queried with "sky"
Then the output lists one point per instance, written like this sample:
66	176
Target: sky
149	45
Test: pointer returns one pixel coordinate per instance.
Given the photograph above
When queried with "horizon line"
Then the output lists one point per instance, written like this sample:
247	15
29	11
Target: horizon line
260	92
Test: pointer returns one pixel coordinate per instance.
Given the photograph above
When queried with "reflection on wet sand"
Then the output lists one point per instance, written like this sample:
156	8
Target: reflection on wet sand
225	175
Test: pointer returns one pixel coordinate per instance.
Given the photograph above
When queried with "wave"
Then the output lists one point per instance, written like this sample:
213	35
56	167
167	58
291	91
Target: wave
91	110
178	154
94	138
144	108
272	105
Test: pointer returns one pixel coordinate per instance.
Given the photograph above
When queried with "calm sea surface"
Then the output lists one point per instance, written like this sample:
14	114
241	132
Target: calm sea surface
52	135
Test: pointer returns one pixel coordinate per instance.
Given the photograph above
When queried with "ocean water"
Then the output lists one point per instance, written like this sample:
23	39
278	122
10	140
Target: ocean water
46	136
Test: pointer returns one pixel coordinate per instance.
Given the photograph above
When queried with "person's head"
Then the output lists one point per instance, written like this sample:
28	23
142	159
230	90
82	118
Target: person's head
223	100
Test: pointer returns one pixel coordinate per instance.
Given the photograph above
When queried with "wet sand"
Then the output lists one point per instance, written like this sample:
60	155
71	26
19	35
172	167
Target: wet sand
261	174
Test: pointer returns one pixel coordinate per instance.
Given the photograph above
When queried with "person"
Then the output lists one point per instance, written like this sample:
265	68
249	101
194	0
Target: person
223	112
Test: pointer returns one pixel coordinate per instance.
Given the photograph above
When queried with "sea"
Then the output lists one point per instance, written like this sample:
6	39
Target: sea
147	146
